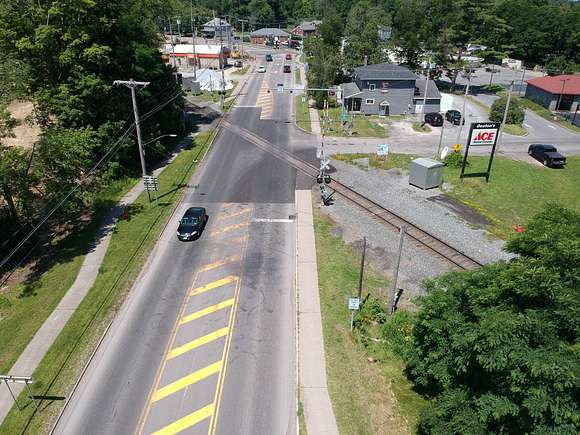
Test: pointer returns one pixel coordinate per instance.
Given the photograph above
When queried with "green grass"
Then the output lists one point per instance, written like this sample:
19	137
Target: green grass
130	245
297	76
25	306
478	103
515	130
242	71
362	126
516	191
421	127
302	114
361	391
389	162
216	96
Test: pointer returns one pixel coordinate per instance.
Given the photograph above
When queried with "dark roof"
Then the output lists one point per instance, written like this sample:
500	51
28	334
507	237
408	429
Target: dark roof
350	89
432	91
309	26
217	22
553	84
270	32
384	71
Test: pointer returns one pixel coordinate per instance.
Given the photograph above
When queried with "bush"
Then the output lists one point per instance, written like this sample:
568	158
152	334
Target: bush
494	88
453	160
515	113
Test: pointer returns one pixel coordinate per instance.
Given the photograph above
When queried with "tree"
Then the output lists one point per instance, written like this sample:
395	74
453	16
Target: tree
261	13
561	65
515	113
496	349
332	28
407	38
362	43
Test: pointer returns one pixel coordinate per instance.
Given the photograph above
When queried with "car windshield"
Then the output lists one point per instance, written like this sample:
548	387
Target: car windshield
189	221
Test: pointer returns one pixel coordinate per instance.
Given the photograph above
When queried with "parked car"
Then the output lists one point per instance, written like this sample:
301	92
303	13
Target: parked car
288	56
268	58
238	63
454	117
287	69
192	224
433	118
548	155
261	69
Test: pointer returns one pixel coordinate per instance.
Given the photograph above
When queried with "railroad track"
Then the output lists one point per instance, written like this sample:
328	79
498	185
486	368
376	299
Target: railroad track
421	238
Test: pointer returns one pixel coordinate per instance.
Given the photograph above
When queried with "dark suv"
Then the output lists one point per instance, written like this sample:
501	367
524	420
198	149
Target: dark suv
287	69
433	118
454	117
548	155
192	223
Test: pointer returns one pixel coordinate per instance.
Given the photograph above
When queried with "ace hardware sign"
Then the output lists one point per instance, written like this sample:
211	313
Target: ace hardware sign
481	134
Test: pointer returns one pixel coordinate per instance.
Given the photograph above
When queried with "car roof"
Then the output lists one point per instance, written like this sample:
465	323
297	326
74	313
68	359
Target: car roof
194	211
544	145
453	111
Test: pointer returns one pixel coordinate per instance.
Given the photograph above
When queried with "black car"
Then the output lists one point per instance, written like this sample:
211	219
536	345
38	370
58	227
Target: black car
454	117
547	154
287	69
435	119
268	58
192	223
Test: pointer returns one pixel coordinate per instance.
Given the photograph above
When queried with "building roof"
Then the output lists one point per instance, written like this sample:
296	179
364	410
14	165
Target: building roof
432	91
216	22
310	26
350	89
266	31
384	71
553	84
200	49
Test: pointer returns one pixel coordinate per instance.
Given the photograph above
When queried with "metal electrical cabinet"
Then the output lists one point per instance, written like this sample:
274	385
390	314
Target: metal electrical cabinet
426	173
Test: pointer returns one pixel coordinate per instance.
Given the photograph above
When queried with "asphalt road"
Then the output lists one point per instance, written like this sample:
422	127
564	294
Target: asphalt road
205	342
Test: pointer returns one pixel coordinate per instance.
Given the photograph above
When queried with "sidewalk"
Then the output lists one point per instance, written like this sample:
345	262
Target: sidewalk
32	355
318	412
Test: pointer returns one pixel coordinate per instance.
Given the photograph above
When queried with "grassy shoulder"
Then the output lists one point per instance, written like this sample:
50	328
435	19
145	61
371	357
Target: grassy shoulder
302	113
242	71
516	191
363	126
515	130
545	113
421	127
216	96
25	306
130	246
297	78
368	389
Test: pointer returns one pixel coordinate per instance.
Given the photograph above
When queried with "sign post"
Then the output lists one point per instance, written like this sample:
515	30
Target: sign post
481	134
353	305
27	380
383	151
151	184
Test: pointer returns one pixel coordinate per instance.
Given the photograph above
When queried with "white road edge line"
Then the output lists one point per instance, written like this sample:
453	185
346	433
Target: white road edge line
273	220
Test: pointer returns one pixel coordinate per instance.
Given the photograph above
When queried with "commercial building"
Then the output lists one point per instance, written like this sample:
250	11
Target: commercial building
269	36
556	93
216	28
206	56
389	89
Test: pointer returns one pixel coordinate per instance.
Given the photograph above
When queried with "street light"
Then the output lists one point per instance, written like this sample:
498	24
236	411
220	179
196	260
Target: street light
153	140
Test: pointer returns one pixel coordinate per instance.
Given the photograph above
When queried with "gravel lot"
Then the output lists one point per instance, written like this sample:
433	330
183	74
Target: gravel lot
391	189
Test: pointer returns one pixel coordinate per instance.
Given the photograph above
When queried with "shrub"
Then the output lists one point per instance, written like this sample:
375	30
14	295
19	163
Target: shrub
453	160
515	113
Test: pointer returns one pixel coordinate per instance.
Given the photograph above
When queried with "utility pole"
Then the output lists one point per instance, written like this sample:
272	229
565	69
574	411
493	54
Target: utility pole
193	44
440	141
132	84
173	49
398	262
505	114
522	81
463	110
561	93
362	267
242	44
427	85
222	64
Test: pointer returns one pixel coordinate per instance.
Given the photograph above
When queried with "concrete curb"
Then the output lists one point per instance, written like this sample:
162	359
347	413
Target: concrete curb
318	412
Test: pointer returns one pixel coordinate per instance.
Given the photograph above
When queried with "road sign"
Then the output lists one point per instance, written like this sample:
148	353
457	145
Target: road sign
150	182
383	149
457	147
325	164
353	303
484	133
444	153
280	88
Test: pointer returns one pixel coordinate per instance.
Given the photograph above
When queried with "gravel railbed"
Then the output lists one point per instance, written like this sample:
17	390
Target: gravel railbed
391	189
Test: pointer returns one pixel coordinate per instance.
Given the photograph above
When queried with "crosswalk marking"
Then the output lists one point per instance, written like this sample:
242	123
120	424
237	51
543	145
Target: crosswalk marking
186	381
187	421
208	310
180	350
215	284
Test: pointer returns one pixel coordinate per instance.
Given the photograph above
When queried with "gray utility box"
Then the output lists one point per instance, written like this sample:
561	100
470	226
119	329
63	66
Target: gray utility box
426	173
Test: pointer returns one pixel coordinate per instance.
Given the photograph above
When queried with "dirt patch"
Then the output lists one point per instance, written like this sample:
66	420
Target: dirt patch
27	131
465	212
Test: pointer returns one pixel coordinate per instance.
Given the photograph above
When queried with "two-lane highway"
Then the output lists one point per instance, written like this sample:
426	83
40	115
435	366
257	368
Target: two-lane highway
205	342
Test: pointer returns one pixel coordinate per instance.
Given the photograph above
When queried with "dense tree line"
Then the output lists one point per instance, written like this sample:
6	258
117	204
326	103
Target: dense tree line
64	56
496	350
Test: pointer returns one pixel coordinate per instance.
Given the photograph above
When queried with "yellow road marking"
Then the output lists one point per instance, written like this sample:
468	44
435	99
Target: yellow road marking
222	375
187	421
229	228
215	284
179	350
237	213
219	263
208	310
186	381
